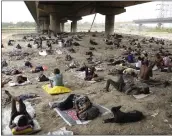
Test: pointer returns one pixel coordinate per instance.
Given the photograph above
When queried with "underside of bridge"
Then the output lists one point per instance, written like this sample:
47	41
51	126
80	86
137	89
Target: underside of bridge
51	15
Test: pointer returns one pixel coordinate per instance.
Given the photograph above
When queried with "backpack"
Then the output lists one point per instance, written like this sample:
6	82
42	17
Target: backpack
88	114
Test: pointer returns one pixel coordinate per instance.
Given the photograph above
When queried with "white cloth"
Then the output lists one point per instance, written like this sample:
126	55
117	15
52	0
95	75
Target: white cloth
166	61
138	64
16	119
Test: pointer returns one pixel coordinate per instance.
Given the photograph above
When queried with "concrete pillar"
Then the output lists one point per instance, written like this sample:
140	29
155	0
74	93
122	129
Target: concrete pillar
109	24
62	26
46	25
140	27
41	27
38	28
159	25
74	26
71	26
54	23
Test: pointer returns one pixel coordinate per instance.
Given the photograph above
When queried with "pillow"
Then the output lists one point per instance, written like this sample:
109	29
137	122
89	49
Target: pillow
22	130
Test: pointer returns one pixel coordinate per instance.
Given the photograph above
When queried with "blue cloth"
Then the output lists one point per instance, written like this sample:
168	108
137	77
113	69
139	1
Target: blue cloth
57	80
130	58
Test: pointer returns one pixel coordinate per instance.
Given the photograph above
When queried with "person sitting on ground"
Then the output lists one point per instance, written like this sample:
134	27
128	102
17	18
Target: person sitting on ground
167	61
166	64
28	64
90	73
146	71
19	118
126	85
159	61
139	63
144	56
49	45
18	46
29	45
57	79
130	58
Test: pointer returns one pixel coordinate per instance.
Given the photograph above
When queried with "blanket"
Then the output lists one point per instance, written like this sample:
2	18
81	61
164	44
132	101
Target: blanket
17	84
69	116
6	112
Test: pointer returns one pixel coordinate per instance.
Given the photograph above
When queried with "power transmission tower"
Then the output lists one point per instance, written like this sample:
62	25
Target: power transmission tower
164	9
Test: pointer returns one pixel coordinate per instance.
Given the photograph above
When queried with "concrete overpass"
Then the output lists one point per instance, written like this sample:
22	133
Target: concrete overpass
51	15
159	21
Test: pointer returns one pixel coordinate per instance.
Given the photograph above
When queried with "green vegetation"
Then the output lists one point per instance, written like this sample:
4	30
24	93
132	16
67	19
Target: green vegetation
169	30
19	25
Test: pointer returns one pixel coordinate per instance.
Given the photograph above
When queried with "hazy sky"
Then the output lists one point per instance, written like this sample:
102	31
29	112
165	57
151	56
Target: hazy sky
14	11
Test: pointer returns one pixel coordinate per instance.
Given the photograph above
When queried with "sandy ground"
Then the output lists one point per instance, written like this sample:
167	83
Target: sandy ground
159	102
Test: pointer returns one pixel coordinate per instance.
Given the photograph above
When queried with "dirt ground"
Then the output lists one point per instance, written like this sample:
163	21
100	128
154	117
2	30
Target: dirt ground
160	101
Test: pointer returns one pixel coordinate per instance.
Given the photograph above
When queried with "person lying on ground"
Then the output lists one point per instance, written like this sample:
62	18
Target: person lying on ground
84	108
37	69
19	118
34	69
12	72
126	85
56	79
117	62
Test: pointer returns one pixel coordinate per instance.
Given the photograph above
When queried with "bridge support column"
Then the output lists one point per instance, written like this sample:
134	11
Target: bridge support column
159	25
140	27
109	24
54	23
62	23
62	27
46	25
74	26
74	23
